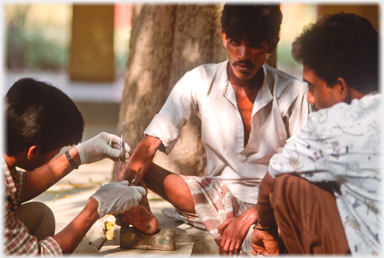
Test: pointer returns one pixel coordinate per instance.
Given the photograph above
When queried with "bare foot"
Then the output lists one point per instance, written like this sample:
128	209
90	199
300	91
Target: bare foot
140	217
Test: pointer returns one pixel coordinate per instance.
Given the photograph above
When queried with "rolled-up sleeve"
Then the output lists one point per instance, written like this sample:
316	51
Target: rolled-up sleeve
174	114
164	130
49	247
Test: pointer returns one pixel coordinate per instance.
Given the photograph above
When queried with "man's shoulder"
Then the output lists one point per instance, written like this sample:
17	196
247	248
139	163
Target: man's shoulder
359	111
367	104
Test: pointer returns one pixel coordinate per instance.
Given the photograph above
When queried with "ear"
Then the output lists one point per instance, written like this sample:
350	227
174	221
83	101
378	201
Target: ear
224	38
33	152
342	90
272	44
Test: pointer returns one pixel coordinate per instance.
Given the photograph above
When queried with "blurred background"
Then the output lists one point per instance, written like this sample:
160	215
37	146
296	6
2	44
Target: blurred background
38	44
83	49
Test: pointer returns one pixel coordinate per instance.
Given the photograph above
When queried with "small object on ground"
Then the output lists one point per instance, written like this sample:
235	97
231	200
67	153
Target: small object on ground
131	238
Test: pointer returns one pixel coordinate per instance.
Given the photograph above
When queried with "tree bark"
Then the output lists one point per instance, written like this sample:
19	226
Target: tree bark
167	41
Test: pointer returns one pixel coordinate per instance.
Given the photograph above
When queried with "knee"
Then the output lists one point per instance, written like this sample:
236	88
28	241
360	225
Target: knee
48	222
288	183
46	215
42	210
287	189
38	218
287	179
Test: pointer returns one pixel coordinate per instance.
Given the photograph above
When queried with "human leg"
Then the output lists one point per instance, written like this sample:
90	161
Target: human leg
307	217
170	186
38	218
166	184
215	204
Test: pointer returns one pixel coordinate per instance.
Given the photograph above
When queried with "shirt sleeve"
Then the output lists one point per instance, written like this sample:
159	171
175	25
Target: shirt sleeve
174	114
304	154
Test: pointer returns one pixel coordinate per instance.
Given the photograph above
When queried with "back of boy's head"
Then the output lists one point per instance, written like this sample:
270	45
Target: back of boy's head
258	21
341	45
40	114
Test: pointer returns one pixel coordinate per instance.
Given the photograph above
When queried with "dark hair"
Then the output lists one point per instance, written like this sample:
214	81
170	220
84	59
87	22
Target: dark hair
255	21
341	45
40	114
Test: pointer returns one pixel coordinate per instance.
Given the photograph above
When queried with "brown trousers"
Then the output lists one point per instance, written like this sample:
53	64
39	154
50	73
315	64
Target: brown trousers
307	216
38	218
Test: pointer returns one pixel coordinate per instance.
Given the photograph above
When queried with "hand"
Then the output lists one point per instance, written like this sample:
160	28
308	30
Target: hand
103	145
117	197
233	232
265	242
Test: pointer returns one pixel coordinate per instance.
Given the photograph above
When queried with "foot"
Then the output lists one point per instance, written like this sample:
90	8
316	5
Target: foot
140	217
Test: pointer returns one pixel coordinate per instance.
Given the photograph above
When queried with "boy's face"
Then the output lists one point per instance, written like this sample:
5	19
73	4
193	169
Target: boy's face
246	56
320	94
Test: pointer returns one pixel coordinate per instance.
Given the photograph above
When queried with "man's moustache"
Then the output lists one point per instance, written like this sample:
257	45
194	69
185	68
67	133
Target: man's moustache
243	63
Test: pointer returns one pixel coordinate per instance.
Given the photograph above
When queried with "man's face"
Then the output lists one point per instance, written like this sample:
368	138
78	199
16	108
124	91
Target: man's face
320	94
246	56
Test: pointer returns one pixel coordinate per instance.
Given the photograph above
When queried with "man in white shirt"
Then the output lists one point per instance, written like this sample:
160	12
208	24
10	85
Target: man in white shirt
323	189
247	110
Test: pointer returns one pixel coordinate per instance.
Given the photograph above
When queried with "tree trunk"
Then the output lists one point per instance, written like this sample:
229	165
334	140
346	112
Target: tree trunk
167	41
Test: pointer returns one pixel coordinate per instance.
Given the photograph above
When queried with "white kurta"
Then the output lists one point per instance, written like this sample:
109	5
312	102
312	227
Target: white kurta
280	110
342	144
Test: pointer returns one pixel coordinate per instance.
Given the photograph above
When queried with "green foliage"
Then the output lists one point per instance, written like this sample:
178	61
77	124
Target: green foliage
286	63
15	43
121	61
29	47
284	56
43	53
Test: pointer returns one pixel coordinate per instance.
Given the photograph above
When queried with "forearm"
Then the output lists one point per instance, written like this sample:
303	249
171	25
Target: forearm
264	209
142	157
70	237
250	215
39	180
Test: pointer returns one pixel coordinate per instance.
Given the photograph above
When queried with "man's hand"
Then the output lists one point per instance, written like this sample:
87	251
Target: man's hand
117	197
265	242
234	230
103	145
